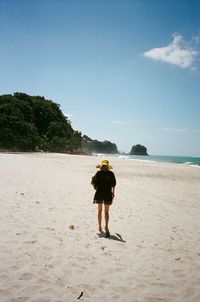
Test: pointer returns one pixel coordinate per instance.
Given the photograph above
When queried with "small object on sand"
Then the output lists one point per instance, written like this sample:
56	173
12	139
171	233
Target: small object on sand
22	193
178	258
80	295
71	227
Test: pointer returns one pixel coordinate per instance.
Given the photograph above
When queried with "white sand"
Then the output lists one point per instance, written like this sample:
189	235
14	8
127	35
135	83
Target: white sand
156	211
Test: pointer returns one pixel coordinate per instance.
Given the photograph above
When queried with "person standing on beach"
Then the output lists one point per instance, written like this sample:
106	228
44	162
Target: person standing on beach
104	183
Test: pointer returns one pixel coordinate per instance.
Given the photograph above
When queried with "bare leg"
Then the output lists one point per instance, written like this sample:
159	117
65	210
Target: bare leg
100	215
106	208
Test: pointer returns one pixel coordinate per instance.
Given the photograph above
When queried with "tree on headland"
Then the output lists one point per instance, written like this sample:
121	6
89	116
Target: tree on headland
32	123
29	123
138	150
99	147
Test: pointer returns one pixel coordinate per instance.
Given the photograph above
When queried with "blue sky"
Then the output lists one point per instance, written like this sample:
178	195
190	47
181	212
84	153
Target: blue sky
125	71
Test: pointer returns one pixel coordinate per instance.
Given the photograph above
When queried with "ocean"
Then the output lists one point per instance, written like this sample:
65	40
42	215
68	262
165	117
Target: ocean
185	160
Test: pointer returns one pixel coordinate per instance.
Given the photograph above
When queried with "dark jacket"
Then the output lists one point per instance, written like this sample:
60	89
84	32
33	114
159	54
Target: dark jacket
103	182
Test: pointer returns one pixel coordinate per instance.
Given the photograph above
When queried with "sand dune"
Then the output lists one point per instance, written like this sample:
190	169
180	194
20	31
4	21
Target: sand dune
153	254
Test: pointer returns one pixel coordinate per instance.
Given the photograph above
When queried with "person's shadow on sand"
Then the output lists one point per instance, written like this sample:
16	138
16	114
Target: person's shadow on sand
112	237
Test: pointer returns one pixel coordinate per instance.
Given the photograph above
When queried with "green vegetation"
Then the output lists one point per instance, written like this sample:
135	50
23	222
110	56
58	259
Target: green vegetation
98	147
31	123
138	150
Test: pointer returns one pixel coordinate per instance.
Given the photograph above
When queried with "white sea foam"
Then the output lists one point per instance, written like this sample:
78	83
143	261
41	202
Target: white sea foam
184	160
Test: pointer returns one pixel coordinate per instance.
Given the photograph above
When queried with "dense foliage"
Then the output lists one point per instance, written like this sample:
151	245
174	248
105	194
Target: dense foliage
99	147
138	150
30	123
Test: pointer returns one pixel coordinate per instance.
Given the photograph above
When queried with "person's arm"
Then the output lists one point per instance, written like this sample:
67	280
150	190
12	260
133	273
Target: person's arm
94	181
113	192
113	185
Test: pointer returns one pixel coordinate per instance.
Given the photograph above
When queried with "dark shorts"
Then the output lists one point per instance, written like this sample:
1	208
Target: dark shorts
102	201
103	197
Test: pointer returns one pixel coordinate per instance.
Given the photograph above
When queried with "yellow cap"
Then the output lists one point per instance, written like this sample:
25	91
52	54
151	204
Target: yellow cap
105	163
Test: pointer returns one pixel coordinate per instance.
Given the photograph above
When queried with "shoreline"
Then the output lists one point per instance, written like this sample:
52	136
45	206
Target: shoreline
149	158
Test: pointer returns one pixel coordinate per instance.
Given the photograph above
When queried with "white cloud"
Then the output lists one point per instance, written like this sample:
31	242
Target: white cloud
181	130
118	122
178	52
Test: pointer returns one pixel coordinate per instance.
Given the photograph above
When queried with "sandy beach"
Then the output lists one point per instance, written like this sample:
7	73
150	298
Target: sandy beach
153	254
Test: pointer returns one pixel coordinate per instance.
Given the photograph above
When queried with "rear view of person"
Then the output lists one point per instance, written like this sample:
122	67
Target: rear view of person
104	183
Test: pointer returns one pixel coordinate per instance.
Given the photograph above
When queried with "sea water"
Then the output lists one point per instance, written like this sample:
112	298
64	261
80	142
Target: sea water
186	160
